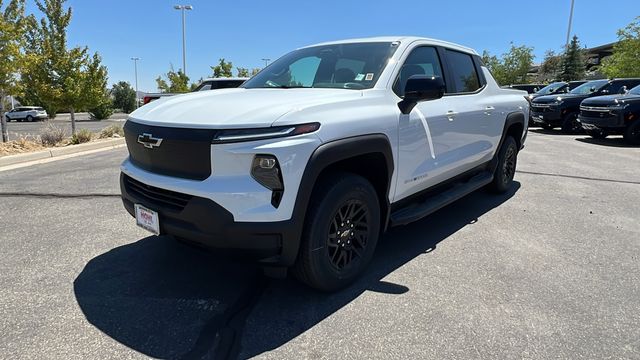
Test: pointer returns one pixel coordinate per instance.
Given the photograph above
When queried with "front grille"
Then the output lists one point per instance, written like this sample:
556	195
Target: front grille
156	196
540	108
177	152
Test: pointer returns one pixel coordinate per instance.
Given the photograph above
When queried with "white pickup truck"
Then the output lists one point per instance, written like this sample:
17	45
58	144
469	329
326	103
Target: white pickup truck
309	161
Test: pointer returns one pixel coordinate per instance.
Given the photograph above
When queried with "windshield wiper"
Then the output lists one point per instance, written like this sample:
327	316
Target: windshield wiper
288	87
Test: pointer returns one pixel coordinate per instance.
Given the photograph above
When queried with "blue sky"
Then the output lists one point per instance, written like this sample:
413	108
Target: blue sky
246	31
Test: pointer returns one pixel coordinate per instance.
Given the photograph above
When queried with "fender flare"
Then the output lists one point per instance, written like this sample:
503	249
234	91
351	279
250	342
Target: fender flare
324	156
512	118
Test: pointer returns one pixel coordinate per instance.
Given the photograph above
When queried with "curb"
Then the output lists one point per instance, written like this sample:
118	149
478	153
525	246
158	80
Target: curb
55	152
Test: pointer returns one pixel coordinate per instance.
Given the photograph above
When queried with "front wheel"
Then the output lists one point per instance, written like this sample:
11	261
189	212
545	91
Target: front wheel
632	134
570	124
29	118
506	169
341	230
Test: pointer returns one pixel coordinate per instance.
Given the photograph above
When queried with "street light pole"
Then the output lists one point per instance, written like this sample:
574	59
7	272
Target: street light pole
184	42
135	66
266	62
566	46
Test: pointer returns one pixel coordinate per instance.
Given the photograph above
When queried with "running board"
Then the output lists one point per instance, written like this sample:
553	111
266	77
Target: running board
417	211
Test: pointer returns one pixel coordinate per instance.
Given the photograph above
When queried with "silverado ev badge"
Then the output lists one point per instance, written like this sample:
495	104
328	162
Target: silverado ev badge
148	141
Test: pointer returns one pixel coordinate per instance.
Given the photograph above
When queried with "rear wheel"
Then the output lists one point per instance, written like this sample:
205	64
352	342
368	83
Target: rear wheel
632	134
597	134
341	230
570	124
29	118
506	169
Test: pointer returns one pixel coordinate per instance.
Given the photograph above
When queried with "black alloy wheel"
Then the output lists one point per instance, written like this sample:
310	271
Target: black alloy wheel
632	134
348	233
340	233
570	124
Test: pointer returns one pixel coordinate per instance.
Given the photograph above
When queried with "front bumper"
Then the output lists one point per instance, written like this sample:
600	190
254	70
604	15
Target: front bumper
550	116
606	122
202	221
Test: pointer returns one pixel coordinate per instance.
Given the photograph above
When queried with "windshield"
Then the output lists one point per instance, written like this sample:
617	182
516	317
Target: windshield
635	90
552	88
589	87
343	66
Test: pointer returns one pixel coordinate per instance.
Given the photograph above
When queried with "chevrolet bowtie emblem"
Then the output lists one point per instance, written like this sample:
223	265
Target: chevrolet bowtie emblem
148	141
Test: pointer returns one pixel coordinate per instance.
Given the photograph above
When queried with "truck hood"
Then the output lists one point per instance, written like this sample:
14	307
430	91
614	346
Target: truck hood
611	100
235	108
547	99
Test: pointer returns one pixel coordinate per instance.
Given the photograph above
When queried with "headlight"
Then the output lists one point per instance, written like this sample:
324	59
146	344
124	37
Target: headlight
266	171
239	135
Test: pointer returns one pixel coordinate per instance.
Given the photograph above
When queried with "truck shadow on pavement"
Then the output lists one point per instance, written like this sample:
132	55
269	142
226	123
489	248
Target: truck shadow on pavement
169	300
611	142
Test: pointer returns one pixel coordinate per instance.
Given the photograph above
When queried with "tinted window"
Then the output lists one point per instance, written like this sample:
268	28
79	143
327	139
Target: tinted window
422	61
589	87
552	88
615	87
465	77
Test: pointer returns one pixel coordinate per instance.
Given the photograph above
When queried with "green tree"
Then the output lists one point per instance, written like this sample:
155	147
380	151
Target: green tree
550	67
254	71
12	33
223	69
625	61
176	81
124	96
95	95
59	78
513	67
243	72
573	66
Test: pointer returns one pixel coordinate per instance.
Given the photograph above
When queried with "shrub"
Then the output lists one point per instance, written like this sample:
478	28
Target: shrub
52	135
81	136
102	111
111	130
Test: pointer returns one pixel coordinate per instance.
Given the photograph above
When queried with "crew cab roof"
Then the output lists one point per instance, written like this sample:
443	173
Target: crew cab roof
401	39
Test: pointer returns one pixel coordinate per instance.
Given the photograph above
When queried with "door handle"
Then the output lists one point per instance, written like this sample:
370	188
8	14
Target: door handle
451	115
488	109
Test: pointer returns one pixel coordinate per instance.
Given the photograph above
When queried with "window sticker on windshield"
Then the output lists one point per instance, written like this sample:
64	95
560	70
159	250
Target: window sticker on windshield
359	77
369	77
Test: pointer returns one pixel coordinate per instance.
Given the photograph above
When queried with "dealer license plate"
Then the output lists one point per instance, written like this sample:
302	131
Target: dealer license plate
147	219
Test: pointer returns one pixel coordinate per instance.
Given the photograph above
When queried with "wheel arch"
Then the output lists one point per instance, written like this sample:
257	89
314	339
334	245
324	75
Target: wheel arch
514	125
364	155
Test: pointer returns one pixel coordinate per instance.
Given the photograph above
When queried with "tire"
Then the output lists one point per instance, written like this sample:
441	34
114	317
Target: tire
340	203
570	124
597	134
632	133
506	169
30	118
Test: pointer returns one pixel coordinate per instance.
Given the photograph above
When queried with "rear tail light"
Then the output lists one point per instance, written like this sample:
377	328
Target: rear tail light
146	100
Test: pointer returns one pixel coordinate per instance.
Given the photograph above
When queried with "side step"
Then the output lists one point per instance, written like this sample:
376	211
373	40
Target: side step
417	211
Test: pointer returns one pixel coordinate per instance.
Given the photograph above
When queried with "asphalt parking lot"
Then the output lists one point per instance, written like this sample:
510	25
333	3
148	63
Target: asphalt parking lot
549	270
83	121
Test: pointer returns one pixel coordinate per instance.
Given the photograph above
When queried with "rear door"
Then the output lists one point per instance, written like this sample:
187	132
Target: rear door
471	116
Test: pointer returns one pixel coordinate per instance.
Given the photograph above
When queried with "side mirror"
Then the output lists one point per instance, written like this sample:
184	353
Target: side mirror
421	88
